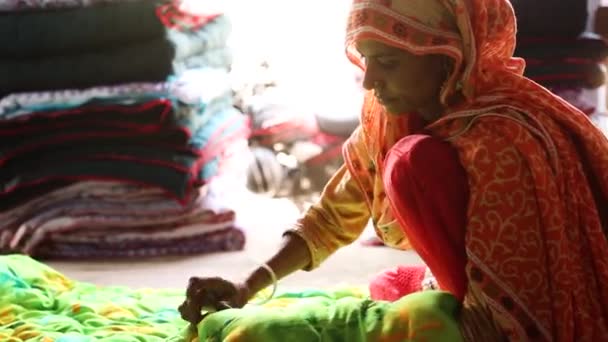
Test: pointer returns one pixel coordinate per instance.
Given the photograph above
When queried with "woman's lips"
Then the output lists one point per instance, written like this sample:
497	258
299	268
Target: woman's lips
385	100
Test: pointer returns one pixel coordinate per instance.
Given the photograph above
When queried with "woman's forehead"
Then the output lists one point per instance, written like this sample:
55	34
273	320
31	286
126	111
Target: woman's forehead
370	47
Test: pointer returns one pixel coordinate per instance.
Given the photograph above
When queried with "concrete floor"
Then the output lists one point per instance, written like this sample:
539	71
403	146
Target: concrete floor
264	220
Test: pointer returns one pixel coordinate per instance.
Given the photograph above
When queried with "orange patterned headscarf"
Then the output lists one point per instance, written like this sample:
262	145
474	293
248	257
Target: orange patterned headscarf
537	167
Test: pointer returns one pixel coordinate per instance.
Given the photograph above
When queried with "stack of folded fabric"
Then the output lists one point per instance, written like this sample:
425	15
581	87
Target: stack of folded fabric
105	43
115	117
558	55
567	66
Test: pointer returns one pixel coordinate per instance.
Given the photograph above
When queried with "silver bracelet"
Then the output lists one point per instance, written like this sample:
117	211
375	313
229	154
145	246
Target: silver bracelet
275	284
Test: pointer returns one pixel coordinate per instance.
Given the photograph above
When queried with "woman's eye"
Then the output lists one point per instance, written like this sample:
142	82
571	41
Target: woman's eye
387	62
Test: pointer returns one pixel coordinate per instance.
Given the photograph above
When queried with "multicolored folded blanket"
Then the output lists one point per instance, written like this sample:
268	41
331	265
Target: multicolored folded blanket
28	5
38	303
90	29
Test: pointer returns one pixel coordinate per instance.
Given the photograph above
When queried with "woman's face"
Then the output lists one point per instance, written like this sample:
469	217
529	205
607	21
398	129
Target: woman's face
403	82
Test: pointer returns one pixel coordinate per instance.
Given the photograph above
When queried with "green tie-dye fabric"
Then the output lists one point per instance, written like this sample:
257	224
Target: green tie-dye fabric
38	303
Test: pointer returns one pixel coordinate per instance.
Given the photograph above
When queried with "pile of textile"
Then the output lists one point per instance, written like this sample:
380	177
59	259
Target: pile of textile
38	303
559	53
115	117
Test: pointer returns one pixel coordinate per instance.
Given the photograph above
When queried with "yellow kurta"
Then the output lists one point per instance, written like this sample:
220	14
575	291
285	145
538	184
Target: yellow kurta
343	212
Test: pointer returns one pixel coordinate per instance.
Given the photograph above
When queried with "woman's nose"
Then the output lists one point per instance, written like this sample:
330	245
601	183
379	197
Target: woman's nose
370	79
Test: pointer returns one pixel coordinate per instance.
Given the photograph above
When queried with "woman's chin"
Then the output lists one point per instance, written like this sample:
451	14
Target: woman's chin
397	107
397	110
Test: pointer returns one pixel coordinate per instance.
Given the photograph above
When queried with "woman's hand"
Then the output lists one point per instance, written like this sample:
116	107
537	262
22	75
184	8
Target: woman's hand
212	294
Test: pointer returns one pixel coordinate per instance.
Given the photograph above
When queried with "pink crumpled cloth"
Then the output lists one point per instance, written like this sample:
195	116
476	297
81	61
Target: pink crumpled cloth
393	284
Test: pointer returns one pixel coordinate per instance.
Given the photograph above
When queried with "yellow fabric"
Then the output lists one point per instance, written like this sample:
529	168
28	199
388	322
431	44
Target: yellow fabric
343	212
336	220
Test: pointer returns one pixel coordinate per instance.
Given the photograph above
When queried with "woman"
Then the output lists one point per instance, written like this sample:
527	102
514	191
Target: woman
501	187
